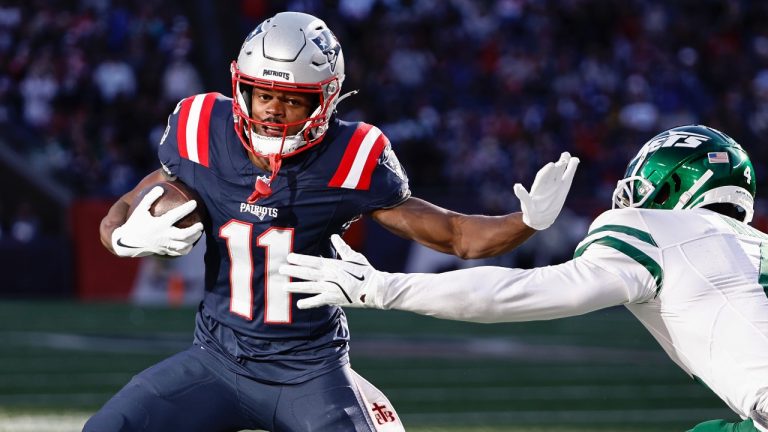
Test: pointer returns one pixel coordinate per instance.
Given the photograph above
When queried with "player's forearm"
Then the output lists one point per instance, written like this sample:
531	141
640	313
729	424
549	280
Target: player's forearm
486	236
496	294
456	295
116	216
466	236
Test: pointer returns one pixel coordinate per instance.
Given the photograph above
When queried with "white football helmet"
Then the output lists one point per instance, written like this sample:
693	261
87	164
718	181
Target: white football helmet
293	52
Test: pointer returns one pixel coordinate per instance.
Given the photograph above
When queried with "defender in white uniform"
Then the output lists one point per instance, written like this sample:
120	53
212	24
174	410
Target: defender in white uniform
678	253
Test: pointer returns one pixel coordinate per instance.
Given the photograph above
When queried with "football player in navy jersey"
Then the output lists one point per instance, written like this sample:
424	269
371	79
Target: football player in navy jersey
278	173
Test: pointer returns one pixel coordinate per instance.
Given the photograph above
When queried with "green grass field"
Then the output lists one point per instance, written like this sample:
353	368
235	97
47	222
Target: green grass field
59	361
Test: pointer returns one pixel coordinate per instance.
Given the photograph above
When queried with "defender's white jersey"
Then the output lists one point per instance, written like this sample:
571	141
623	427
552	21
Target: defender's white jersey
694	278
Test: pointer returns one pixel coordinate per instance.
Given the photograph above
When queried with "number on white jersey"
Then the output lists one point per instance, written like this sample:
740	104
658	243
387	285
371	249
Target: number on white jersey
277	244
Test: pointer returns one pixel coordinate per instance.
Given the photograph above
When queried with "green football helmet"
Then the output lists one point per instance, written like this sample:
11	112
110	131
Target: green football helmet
690	167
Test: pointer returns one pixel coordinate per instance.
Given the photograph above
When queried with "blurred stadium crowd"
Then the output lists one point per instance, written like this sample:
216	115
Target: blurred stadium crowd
474	95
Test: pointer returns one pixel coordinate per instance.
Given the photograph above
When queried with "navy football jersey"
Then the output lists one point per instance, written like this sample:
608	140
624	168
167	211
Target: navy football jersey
246	315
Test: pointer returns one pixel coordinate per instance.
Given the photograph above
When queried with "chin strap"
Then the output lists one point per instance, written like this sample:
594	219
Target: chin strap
262	188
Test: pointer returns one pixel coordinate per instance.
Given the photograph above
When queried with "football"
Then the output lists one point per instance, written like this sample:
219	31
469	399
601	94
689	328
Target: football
175	193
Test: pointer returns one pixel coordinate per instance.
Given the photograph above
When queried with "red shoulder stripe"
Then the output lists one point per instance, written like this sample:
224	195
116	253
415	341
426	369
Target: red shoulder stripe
204	127
349	155
192	133
370	163
359	160
181	129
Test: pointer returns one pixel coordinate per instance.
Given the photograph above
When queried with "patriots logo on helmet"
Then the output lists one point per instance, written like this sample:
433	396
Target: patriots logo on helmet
255	31
329	46
252	35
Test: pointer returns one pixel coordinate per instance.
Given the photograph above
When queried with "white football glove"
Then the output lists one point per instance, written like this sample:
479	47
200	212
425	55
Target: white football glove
550	188
350	281
143	234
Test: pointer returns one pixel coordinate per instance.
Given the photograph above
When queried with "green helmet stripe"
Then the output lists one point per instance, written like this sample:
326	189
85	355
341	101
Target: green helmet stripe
627	249
634	232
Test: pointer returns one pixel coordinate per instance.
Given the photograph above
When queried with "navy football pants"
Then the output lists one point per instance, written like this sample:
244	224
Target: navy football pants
192	391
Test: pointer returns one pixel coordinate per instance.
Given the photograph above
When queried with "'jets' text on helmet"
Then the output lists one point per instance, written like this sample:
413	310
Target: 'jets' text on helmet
689	167
292	52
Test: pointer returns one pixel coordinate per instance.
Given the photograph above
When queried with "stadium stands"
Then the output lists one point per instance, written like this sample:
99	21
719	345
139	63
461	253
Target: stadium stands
473	95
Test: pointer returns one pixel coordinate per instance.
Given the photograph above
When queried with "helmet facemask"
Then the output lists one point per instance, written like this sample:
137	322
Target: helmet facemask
313	127
632	191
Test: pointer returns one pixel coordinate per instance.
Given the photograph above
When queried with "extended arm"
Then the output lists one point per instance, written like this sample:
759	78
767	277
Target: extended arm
478	236
497	294
481	294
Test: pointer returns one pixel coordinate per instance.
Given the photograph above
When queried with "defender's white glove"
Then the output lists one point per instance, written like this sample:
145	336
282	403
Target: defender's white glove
143	234
550	188
350	281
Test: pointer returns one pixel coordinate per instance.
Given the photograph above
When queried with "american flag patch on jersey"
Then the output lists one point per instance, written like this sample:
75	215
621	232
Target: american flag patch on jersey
718	157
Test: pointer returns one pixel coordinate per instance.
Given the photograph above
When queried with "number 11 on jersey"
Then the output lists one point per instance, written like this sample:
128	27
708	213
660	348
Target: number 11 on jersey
277	244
